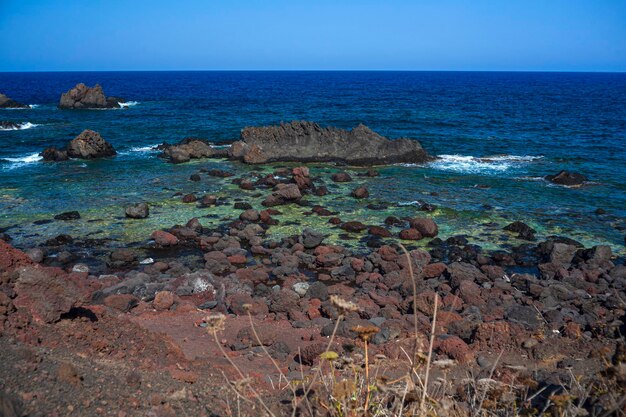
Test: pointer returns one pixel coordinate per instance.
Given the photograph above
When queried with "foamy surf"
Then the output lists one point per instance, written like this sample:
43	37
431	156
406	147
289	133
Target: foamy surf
483	165
128	104
22	160
140	149
20	126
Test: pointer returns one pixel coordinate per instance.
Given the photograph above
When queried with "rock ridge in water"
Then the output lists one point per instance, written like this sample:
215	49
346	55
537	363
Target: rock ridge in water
9	103
88	145
302	141
84	97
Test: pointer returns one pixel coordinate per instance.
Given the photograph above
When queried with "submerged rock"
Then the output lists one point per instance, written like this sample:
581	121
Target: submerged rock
84	97
9	103
301	141
523	230
137	211
567	178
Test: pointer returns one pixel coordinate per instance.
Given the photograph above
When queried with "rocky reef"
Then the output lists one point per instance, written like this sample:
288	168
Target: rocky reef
88	145
190	301
84	97
301	141
8	103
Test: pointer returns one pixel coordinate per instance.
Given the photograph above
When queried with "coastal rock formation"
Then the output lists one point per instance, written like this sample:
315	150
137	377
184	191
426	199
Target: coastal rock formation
567	178
6	125
9	103
53	154
189	148
84	97
301	141
88	145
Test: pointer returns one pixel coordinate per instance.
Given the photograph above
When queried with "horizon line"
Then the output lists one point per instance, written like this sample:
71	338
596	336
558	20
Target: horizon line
327	70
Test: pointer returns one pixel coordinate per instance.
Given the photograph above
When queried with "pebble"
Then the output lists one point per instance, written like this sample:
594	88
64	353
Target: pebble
301	288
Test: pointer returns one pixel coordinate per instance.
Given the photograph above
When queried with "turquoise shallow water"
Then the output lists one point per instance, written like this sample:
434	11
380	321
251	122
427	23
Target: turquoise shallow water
497	135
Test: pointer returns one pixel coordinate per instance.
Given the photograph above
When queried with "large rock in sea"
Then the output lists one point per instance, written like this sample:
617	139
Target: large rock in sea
84	97
8	103
567	178
301	141
89	145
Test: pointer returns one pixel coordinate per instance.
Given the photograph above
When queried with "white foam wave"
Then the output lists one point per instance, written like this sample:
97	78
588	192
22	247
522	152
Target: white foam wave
22	160
33	106
141	149
128	104
484	165
21	126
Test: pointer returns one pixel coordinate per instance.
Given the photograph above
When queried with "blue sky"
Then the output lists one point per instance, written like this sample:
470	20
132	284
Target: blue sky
535	35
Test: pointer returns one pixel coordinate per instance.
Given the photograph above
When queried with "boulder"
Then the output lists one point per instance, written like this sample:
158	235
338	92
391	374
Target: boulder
301	141
164	238
567	178
311	238
360	192
523	230
8	103
138	211
187	149
341	177
426	226
410	234
46	293
89	145
84	97
285	193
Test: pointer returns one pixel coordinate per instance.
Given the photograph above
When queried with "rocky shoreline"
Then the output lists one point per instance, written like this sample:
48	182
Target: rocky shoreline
537	321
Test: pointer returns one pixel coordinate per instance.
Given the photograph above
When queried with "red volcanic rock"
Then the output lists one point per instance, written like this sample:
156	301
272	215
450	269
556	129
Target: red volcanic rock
11	258
46	293
410	234
434	270
427	227
455	348
121	302
379	231
164	238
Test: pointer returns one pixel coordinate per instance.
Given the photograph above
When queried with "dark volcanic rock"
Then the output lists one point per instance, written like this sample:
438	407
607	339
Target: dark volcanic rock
567	178
301	141
6	125
68	215
360	192
54	154
523	230
89	145
8	103
83	97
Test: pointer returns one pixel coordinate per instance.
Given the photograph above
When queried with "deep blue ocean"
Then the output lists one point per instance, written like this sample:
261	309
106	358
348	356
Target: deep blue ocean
497	135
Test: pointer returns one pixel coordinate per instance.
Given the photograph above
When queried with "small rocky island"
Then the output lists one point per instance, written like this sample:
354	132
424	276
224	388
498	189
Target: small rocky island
302	141
88	145
9	103
84	97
